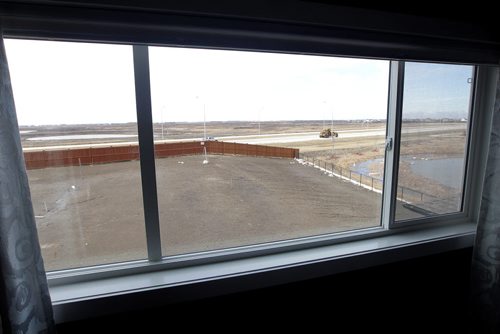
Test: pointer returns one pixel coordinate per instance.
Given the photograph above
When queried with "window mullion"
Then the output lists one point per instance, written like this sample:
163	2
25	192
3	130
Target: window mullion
146	149
395	106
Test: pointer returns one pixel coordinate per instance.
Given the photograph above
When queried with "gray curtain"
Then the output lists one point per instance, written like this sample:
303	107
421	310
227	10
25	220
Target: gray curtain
24	297
486	256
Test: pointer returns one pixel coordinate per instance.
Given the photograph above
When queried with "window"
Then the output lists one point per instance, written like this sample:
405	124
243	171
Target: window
251	148
228	125
433	150
76	110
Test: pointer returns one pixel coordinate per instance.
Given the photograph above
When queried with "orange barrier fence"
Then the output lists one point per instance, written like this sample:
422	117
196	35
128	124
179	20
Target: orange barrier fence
99	155
220	147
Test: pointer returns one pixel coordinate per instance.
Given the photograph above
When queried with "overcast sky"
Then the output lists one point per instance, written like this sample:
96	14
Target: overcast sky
76	83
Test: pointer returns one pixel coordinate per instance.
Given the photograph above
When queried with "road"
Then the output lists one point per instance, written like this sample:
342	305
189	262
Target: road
278	138
308	136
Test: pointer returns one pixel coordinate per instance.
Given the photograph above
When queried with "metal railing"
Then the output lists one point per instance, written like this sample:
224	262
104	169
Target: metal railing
367	181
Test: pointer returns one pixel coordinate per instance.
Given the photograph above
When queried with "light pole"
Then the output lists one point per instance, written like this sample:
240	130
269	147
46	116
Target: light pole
204	124
332	119
260	111
204	119
324	107
162	109
334	134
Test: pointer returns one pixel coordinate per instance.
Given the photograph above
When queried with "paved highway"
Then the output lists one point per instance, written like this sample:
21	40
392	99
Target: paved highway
308	136
278	138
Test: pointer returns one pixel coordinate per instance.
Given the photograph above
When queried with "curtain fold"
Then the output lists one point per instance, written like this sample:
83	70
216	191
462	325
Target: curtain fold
25	301
485	282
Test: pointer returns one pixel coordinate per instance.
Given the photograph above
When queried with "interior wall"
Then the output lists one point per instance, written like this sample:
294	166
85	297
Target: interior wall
463	22
428	294
320	27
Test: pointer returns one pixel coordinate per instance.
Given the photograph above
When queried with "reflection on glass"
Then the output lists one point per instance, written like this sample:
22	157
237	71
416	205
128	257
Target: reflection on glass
227	127
76	110
433	139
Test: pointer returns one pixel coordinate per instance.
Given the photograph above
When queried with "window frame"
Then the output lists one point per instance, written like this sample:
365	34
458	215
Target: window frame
388	226
469	154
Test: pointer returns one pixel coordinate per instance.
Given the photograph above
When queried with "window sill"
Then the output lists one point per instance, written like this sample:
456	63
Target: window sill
103	296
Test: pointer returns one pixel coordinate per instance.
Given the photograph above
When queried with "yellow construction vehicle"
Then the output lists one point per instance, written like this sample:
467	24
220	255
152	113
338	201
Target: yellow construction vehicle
326	133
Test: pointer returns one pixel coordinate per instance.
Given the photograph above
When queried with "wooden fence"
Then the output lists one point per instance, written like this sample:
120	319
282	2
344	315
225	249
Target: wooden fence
220	147
98	155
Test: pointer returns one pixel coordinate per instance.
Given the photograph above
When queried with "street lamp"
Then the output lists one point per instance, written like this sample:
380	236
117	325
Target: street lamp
162	109
260	111
332	119
204	123
334	135
324	107
204	119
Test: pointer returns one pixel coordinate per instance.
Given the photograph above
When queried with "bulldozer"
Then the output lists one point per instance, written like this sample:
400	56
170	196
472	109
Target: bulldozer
327	133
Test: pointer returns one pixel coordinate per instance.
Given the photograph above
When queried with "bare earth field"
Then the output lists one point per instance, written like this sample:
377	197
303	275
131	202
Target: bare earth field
93	214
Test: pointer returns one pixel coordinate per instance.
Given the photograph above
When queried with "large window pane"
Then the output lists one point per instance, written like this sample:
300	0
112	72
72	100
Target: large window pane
436	104
76	109
228	125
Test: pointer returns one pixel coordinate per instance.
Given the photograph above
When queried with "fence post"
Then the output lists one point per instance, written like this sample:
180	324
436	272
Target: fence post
360	179
402	193
421	197
372	183
350	175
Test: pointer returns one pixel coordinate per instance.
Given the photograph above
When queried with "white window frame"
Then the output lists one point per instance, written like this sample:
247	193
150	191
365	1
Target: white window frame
470	155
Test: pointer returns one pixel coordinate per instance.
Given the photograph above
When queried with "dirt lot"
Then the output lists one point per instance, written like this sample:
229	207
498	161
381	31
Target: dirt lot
93	214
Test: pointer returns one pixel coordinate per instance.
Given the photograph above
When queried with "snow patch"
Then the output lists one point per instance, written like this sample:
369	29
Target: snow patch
333	174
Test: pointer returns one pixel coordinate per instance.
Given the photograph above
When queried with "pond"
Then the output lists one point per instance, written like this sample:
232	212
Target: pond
446	171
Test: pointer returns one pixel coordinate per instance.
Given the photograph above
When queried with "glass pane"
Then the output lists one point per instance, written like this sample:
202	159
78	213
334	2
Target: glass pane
76	110
436	104
238	136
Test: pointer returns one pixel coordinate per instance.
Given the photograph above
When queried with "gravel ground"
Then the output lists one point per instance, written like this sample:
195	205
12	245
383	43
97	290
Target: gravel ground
93	214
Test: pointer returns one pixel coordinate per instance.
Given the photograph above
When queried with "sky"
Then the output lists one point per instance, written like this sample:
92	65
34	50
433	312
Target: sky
434	89
81	83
